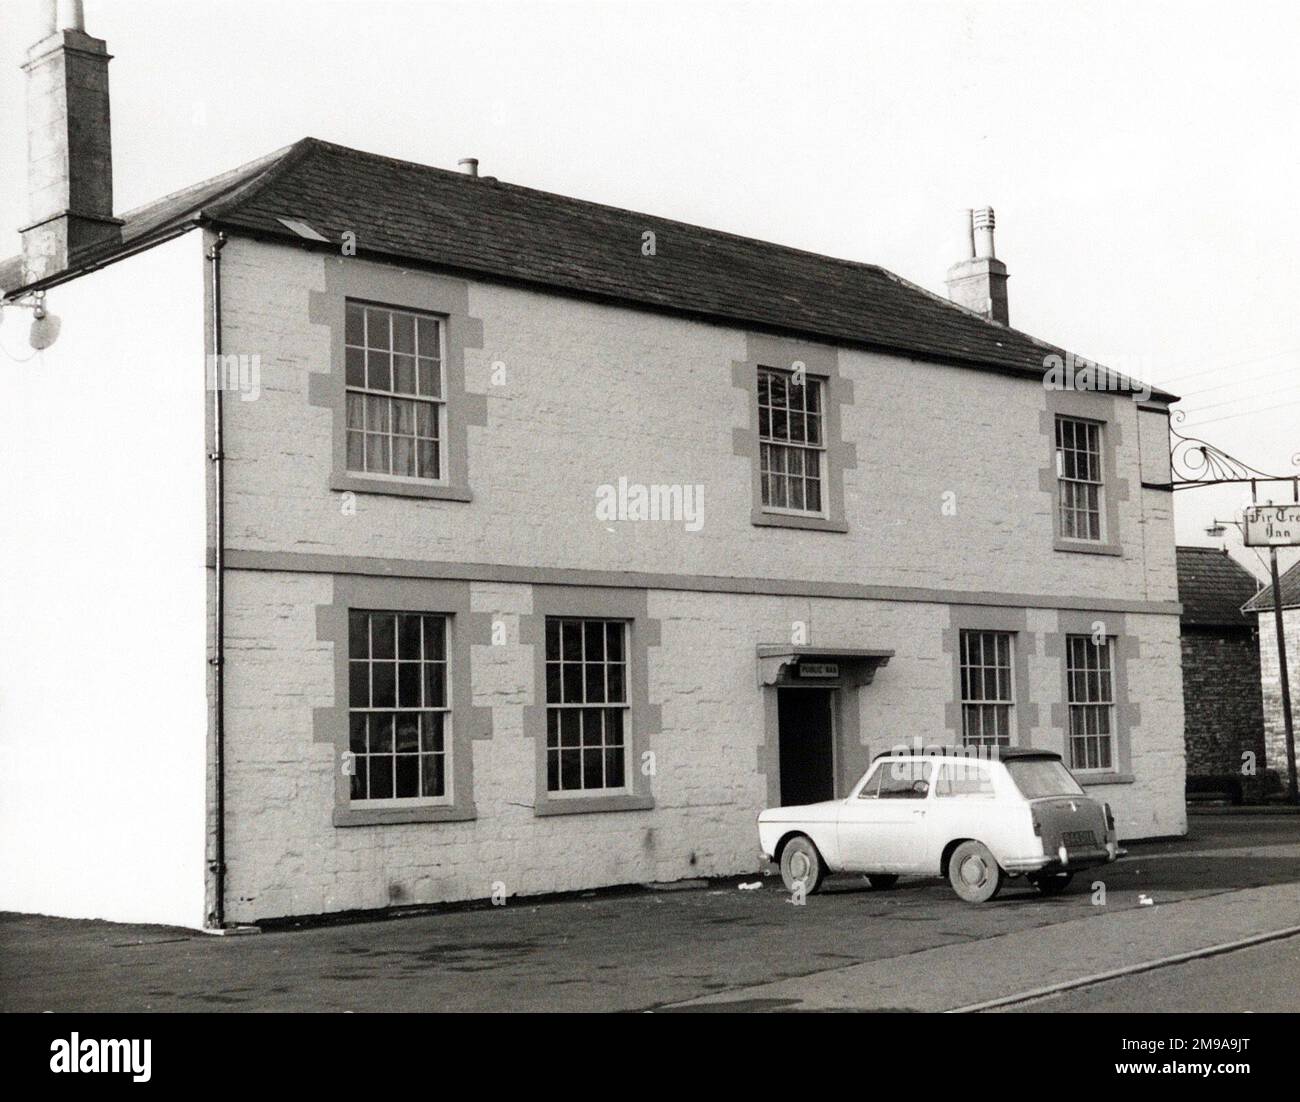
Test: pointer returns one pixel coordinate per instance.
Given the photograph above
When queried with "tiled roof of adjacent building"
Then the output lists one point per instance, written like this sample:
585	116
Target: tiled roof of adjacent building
1213	587
415	213
1290	585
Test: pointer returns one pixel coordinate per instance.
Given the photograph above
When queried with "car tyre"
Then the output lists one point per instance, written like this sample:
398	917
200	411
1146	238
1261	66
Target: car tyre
1052	883
882	881
974	873
800	861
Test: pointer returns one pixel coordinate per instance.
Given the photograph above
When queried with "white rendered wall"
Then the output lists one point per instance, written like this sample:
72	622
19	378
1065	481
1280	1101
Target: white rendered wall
103	664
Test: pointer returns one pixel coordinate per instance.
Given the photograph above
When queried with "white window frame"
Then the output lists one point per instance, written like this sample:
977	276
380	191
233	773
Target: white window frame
768	441
559	707
439	403
966	673
446	753
1092	430
1103	707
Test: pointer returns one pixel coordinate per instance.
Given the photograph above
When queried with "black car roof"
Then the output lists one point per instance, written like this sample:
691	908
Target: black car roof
1000	753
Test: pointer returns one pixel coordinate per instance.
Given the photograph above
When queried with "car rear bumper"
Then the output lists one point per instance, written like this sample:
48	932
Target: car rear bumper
1065	860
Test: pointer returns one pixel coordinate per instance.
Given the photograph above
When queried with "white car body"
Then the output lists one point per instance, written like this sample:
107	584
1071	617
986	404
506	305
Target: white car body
964	798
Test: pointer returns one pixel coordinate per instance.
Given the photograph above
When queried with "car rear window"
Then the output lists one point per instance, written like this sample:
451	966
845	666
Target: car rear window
1039	777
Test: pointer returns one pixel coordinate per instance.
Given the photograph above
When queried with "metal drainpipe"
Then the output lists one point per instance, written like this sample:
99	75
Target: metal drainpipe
217	457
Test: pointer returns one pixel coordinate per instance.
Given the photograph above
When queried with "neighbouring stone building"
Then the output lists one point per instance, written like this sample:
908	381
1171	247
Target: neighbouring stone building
1261	606
1223	716
536	544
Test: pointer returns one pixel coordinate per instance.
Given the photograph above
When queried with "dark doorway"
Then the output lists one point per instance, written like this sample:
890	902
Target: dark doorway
807	746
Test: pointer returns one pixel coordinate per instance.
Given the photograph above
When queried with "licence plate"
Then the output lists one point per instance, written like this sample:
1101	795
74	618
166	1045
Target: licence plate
1079	838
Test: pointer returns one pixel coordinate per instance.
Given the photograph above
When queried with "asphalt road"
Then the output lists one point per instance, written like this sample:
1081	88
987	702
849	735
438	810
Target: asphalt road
635	950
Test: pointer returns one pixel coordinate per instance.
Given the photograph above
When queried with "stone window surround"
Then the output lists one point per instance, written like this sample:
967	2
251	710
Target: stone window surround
821	362
1127	714
630	605
465	629
1023	644
422	292
1103	409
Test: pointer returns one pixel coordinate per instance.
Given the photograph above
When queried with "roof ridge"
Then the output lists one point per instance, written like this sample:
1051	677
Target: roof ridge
493	181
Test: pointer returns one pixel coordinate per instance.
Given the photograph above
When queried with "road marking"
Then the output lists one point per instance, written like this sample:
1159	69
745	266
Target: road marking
1127	970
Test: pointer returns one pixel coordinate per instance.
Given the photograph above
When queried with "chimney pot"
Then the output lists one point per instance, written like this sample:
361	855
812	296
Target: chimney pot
468	165
72	16
980	282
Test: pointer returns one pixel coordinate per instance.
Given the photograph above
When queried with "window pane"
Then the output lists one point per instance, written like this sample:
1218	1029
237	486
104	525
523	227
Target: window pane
383	682
403	333
379	371
408	734
572	639
381	733
354	326
404	456
404	374
435	684
433	779
381	778
408	684
378	334
435	637
433	732
427	331
359	684
356	367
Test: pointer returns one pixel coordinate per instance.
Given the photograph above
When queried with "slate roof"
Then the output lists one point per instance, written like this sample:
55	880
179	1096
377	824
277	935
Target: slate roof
415	213
1212	588
1290	584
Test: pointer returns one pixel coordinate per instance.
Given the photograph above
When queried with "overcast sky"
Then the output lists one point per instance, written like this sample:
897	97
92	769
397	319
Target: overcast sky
1142	157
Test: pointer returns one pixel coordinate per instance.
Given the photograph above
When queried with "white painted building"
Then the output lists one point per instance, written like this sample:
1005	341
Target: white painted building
420	642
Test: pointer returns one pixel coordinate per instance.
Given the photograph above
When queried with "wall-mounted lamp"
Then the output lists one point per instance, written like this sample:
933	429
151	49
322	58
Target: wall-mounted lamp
45	326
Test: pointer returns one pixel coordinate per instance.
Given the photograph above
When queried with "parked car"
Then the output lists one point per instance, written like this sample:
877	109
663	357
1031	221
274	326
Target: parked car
977	820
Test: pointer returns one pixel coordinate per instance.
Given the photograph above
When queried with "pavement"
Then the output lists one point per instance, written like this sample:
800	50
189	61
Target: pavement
710	947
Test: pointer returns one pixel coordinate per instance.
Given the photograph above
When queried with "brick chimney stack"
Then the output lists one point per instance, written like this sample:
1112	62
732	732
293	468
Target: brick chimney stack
69	153
980	282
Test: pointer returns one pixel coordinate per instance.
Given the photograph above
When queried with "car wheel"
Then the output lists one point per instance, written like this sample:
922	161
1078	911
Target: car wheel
974	873
801	863
882	881
1053	883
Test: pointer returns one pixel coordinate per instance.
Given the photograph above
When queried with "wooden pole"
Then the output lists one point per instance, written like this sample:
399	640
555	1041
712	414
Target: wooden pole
1292	793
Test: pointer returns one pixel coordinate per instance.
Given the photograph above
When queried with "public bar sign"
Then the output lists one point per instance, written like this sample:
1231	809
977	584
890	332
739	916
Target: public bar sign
819	669
1272	526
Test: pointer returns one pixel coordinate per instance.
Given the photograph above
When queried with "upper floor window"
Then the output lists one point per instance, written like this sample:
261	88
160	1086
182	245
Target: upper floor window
396	393
587	714
792	444
398	710
1090	679
1079	478
986	692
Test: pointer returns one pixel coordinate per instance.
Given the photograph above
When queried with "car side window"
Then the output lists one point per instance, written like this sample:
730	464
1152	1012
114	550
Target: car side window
871	788
963	779
904	780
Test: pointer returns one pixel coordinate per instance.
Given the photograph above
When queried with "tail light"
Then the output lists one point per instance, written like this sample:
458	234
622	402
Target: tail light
1038	826
1110	818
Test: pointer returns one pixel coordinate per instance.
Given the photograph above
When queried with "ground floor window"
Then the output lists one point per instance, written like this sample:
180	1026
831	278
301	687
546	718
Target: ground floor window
1091	686
587	714
986	688
398	709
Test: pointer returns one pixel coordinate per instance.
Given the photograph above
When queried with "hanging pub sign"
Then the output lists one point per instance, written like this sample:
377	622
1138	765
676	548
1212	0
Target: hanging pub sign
1272	526
819	669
